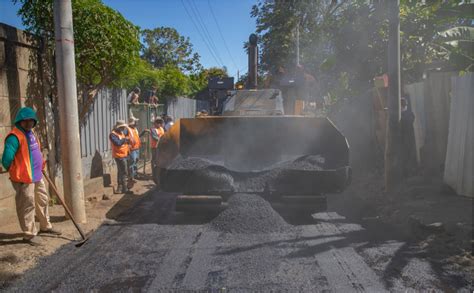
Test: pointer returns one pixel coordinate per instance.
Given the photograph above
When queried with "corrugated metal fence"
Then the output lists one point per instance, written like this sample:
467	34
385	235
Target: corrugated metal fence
110	105
459	169
181	108
443	106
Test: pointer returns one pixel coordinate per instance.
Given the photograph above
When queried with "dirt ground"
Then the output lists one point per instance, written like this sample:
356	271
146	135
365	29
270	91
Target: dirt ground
437	220
17	257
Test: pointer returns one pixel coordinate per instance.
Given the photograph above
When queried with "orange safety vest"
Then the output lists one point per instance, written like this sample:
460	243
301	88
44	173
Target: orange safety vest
122	151
20	169
159	132
135	142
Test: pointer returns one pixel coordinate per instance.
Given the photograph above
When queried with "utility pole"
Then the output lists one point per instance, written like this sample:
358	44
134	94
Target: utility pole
392	143
68	110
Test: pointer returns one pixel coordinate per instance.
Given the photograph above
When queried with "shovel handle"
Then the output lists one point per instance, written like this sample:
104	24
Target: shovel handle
68	212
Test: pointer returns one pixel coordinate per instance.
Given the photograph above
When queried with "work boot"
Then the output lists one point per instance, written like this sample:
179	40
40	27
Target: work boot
34	241
50	231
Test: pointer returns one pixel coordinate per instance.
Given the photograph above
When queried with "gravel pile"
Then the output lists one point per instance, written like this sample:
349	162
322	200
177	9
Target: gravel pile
191	163
249	214
214	177
302	163
211	179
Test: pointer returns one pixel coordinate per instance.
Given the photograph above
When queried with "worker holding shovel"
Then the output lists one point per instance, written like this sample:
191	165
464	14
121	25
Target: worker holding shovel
23	159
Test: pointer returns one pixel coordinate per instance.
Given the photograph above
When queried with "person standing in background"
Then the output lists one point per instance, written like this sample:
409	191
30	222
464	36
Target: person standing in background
134	96
120	152
407	138
135	145
168	123
153	99
156	132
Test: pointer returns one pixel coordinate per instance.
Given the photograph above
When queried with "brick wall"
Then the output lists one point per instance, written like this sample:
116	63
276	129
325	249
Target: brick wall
20	85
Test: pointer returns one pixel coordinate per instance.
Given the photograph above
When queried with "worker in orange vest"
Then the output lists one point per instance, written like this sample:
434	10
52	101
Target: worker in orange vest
156	133
135	145
120	151
23	159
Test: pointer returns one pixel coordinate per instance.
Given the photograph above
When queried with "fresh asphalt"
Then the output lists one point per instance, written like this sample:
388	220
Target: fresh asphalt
151	248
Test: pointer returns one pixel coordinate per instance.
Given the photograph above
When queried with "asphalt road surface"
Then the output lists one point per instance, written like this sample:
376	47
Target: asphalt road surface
151	248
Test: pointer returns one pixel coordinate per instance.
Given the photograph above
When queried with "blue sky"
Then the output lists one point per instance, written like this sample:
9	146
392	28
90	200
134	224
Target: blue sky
232	16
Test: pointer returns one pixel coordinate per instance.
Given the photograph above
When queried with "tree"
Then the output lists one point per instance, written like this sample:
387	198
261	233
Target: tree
345	42
276	25
106	44
199	80
173	82
164	46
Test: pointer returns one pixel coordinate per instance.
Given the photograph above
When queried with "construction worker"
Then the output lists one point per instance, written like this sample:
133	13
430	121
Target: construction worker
168	123
135	144
156	132
120	152
407	138
23	159
134	96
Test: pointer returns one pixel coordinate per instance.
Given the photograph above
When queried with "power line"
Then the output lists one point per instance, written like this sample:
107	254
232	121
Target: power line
199	32
220	33
197	13
201	22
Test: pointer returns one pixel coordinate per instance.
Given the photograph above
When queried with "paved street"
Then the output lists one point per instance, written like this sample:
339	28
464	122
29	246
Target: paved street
150	248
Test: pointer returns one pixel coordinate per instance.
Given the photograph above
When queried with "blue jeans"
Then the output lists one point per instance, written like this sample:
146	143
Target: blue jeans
133	161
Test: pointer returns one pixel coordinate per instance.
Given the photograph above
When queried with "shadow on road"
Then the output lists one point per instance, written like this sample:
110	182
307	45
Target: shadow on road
357	226
157	208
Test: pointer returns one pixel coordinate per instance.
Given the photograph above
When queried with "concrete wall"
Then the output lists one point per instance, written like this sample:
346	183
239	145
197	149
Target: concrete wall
20	85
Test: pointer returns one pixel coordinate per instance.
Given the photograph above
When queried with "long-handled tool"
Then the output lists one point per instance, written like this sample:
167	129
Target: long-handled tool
53	187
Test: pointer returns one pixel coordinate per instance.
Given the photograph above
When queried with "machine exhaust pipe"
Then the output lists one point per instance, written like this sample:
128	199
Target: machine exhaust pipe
253	62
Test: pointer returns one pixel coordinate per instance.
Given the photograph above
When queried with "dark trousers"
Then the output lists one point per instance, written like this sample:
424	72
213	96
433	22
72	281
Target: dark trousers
154	164
121	172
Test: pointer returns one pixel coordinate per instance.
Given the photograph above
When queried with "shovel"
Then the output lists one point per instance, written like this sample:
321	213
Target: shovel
68	212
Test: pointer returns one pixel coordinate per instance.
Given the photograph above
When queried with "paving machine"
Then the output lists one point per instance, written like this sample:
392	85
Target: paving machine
253	147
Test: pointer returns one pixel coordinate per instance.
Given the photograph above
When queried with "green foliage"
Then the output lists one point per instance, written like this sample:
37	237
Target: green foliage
164	46
170	81
173	82
106	44
199	80
166	57
142	75
344	43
